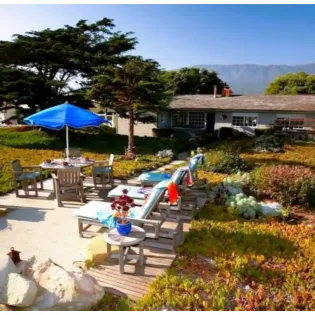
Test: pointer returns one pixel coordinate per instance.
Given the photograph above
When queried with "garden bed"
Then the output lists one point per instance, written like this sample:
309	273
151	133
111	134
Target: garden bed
229	263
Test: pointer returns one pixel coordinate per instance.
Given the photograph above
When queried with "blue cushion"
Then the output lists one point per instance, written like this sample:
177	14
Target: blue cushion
162	184
193	165
102	170
155	195
151	177
31	175
178	176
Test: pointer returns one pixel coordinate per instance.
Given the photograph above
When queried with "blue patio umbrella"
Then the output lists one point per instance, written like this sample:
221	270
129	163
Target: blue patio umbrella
65	115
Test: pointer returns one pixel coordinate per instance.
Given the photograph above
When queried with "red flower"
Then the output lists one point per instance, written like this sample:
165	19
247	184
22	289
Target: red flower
125	208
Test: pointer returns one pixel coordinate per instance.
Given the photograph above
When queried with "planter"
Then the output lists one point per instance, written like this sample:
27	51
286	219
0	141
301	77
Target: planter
123	229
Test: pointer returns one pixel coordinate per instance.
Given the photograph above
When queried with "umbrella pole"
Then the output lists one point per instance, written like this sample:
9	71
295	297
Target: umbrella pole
67	141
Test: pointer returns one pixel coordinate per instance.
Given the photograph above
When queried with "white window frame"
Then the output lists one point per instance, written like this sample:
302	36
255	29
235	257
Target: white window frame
187	118
244	116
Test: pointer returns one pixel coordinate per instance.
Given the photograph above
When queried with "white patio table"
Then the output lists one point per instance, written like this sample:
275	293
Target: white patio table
136	237
72	162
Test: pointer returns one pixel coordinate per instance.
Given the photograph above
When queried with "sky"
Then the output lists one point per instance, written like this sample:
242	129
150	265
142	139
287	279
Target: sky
186	35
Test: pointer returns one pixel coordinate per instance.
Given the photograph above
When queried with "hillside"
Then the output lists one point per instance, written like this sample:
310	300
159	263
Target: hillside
251	78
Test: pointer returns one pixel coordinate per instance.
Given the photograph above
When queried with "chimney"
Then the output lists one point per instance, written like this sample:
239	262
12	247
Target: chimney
215	91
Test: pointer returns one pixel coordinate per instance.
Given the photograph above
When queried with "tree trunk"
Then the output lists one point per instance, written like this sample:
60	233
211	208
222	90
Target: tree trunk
131	139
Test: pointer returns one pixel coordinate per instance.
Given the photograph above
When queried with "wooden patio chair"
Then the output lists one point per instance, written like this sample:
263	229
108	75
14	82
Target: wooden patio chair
103	172
74	152
26	176
66	181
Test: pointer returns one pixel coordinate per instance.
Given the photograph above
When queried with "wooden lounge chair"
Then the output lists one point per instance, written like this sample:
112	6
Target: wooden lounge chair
139	193
152	178
103	172
143	216
66	181
26	176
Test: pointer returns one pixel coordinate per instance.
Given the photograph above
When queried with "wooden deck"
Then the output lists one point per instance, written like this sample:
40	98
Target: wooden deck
136	279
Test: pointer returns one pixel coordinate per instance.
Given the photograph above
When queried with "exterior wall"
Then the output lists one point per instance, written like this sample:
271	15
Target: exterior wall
164	120
141	129
264	120
7	114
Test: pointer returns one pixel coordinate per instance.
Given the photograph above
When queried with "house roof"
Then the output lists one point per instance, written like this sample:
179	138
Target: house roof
296	103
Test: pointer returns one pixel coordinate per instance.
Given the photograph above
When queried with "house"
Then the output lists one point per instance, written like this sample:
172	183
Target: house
195	113
244	113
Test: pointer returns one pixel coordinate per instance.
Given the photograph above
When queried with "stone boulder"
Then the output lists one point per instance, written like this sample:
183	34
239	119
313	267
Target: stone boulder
20	292
6	267
62	290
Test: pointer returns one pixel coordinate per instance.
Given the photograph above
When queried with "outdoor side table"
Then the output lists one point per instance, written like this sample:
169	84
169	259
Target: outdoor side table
136	237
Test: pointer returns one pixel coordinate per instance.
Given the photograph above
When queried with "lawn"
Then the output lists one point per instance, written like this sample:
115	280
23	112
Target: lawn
32	147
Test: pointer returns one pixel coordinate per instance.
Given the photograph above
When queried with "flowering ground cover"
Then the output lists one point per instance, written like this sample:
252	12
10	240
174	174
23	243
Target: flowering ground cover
302	153
229	263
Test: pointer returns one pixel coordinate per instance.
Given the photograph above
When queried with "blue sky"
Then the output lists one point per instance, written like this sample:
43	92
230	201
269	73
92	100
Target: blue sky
187	35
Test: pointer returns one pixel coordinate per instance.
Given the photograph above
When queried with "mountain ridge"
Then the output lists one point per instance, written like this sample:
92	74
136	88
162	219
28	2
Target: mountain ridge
253	78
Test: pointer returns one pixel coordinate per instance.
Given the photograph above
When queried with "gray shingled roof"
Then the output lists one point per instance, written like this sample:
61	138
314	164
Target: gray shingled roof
298	103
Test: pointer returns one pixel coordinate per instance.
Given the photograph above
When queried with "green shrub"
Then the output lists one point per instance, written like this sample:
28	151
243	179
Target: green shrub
110	302
163	132
225	161
286	184
263	131
231	133
103	129
269	143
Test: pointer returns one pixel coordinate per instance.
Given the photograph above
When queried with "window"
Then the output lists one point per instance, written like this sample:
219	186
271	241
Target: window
197	119
290	123
238	121
189	120
180	119
242	120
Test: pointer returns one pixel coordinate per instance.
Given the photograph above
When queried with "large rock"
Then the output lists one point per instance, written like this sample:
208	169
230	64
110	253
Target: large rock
271	209
20	291
6	267
96	250
62	290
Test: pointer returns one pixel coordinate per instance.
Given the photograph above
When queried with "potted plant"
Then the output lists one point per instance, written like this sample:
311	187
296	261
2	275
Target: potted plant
121	206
